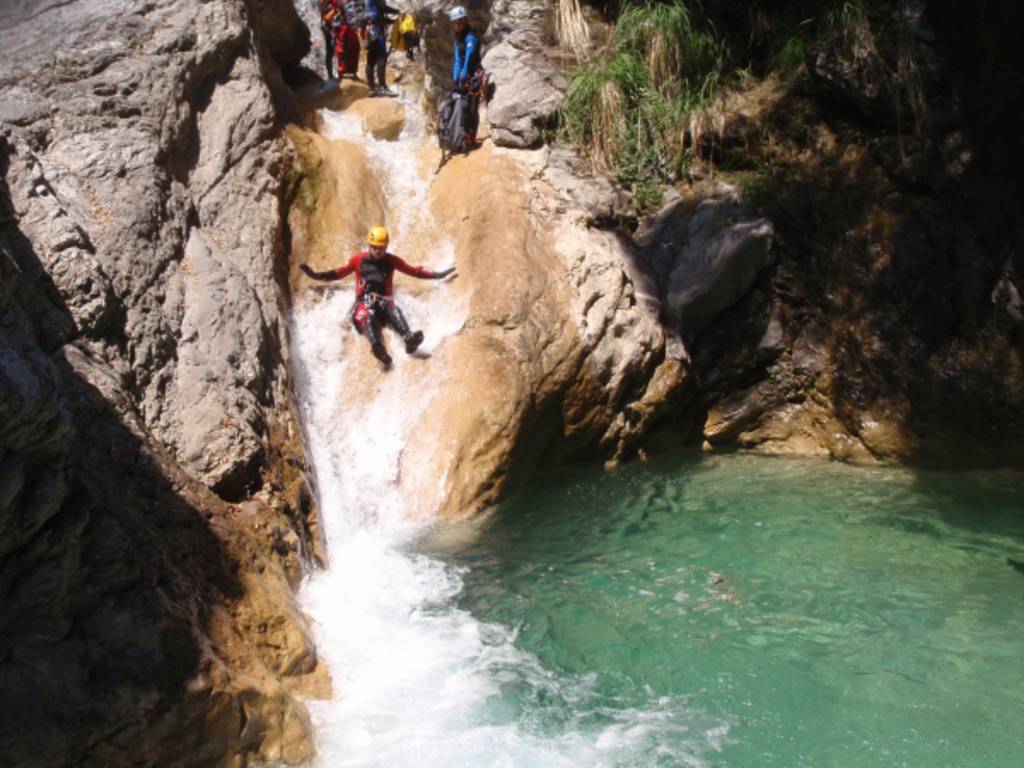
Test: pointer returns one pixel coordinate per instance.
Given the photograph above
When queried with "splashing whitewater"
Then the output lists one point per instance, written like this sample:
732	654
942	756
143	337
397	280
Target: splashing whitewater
417	681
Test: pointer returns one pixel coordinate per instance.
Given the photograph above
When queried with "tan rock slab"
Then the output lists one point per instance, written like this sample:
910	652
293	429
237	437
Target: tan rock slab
383	118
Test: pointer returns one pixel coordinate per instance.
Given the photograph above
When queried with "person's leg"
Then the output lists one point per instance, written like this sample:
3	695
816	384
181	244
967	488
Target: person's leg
372	52
382	64
370	326
340	50
373	333
472	119
352	62
328	51
397	321
348	51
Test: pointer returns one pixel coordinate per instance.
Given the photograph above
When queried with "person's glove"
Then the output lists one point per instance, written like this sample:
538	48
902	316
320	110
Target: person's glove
314	274
443	273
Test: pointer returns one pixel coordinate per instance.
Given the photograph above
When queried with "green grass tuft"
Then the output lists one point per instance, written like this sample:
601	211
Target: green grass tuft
631	111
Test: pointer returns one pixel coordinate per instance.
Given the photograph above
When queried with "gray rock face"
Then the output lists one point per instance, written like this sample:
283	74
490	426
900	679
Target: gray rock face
710	258
140	372
599	199
139	152
528	88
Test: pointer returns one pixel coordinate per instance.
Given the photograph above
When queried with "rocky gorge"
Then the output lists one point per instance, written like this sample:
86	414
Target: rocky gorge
164	174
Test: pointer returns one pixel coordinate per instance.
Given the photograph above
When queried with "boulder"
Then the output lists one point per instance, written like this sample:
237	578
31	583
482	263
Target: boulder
724	250
382	118
527	92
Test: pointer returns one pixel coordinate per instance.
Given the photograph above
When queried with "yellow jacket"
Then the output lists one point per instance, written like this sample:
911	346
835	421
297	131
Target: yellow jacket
405	23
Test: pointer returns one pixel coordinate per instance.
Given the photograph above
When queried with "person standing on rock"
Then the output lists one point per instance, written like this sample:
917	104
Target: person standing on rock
375	305
353	18
330	22
467	74
380	14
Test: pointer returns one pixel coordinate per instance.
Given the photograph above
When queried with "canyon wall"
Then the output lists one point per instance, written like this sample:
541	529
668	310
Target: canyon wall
153	513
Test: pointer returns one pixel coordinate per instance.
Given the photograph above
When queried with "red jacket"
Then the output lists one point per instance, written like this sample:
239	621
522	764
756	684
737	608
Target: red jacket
379	271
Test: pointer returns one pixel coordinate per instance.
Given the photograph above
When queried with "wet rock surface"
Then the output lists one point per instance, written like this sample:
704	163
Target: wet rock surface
563	354
143	389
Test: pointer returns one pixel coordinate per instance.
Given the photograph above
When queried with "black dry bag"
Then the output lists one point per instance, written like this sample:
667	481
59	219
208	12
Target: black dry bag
452	124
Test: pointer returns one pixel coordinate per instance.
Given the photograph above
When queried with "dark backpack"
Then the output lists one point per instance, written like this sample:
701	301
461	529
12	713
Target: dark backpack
452	124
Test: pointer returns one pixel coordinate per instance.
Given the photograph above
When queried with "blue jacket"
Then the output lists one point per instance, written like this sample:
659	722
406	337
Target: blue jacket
380	14
467	57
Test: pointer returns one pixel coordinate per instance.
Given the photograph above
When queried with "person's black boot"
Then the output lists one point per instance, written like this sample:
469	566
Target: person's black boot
413	341
381	354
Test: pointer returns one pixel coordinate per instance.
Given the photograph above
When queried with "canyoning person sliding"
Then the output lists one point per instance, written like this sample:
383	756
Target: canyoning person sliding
379	14
375	305
467	75
330	23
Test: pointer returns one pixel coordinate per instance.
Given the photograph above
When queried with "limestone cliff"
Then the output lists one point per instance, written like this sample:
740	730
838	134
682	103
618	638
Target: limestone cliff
152	510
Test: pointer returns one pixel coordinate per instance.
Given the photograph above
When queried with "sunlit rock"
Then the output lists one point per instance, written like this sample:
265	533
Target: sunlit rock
383	118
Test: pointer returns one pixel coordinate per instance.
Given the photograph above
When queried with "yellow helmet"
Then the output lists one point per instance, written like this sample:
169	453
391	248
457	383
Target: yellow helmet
378	237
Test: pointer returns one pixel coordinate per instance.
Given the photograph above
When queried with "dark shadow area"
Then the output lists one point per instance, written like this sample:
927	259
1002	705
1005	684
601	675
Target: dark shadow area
891	247
110	560
986	503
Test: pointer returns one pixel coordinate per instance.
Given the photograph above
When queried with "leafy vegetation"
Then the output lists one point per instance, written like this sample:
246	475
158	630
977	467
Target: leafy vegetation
631	109
645	107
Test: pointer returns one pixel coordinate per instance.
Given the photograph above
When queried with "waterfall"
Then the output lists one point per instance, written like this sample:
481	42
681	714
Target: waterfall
417	680
411	672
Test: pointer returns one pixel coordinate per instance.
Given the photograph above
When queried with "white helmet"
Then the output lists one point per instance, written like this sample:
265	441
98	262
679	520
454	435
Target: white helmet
456	13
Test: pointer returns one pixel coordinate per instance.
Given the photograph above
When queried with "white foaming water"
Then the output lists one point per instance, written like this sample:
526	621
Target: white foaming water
417	681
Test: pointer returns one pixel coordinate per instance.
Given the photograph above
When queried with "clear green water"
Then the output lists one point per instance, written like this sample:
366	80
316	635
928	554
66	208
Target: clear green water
742	611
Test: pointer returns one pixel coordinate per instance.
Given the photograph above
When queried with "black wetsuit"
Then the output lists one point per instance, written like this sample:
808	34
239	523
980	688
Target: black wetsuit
376	276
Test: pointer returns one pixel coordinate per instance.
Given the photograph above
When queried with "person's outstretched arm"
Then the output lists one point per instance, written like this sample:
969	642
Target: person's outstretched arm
422	272
330	274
